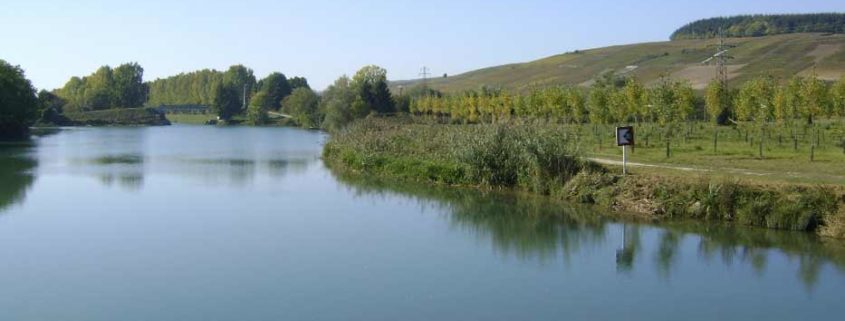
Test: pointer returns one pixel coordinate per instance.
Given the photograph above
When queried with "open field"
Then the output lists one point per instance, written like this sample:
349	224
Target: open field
734	156
781	56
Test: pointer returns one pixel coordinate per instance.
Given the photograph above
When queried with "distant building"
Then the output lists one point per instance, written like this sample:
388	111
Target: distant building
184	109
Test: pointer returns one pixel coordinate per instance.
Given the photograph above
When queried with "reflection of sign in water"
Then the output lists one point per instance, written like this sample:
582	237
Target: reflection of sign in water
624	136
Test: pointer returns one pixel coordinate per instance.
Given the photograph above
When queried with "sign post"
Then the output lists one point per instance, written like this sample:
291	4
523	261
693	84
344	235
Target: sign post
625	138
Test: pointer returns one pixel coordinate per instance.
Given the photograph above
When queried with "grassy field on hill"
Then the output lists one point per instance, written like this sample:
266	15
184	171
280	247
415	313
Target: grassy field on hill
781	56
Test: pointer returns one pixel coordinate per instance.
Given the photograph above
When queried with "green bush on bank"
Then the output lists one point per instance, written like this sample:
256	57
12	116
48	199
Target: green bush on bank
539	157
533	156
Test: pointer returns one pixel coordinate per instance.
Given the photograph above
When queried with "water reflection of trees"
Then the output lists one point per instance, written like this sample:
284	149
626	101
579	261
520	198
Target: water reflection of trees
523	226
534	228
732	245
126	170
16	173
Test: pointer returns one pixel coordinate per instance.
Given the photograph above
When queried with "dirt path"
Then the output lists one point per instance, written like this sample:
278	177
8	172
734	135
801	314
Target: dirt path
733	171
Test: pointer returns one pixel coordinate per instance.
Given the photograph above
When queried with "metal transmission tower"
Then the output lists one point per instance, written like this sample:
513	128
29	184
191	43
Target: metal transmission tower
424	74
721	61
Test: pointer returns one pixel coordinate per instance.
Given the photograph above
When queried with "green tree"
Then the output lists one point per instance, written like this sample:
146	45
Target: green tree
99	89
618	105
129	88
813	95
635	98
754	104
18	103
597	104
837	96
227	101
275	87
73	93
373	95
336	104
298	82
684	104
303	106
575	100
193	88
664	107
48	100
257	112
242	79
716	99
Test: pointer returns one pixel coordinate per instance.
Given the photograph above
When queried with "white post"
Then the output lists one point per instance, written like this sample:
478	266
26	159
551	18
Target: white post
624	160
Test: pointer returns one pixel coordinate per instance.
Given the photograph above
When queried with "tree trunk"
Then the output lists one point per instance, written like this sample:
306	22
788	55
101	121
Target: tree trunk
812	152
715	139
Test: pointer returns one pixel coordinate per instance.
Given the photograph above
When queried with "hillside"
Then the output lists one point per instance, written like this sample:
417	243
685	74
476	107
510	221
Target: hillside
780	55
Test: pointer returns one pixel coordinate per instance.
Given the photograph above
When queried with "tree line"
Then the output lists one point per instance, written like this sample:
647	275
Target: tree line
788	108
761	25
607	101
124	87
614	101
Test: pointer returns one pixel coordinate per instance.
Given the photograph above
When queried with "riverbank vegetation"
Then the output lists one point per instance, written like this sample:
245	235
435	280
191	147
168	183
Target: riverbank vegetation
540	157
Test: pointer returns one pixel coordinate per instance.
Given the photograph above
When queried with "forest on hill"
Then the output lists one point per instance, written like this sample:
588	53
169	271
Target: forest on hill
762	25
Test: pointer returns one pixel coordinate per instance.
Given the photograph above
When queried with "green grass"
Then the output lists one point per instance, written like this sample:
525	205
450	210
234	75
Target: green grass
781	56
190	118
734	156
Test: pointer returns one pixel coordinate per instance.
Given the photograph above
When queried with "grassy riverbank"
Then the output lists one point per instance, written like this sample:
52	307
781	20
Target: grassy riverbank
544	158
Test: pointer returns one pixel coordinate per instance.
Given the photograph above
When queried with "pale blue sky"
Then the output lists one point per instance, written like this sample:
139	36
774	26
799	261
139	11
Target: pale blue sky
321	40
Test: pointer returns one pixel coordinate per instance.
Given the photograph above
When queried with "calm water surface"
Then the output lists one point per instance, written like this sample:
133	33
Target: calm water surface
203	223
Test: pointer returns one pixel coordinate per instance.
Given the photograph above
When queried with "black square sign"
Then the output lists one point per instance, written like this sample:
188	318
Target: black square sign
624	136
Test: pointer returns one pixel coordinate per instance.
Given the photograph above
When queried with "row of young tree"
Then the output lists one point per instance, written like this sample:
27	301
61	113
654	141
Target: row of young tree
761	25
608	101
611	101
758	104
791	109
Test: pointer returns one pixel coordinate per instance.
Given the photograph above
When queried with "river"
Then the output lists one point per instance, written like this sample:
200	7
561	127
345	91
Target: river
207	223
